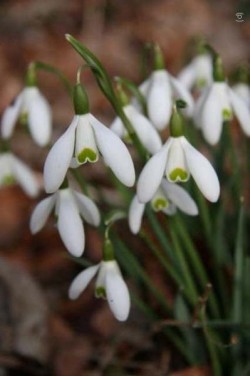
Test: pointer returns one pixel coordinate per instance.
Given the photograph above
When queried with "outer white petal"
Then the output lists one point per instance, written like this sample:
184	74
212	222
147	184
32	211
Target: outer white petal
81	281
241	111
180	197
143	88
69	223
25	177
5	167
87	209
10	117
202	171
114	152
170	210
187	76
144	129
41	213
243	90
59	158
152	173
117	127
135	214
159	99
40	119
117	295
211	116
180	92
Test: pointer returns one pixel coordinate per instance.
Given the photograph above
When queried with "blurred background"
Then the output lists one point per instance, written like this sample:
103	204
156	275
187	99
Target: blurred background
41	332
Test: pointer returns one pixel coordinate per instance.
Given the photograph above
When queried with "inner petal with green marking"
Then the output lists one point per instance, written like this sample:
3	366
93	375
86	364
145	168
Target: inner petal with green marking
8	180
159	203
100	292
178	175
87	155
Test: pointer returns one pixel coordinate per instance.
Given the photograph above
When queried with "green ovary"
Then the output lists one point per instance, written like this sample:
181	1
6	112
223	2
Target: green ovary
226	114
178	175
100	292
87	155
8	180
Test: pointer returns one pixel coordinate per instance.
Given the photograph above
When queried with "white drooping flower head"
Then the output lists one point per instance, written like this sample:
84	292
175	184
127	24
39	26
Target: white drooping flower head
177	160
217	104
144	129
83	140
32	108
198	73
109	285
70	208
12	170
161	90
168	198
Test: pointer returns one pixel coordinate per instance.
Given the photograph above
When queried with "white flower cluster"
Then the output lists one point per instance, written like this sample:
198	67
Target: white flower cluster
86	139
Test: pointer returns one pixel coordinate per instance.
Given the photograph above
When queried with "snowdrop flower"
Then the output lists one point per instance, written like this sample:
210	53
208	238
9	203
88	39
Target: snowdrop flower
198	73
69	206
12	169
168	198
109	285
177	159
81	143
242	89
160	90
217	104
145	131
31	107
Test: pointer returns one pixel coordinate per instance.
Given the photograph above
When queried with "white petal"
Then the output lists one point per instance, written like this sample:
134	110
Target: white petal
180	197
203	172
176	167
135	214
114	152
241	110
170	210
159	99
243	90
117	127
151	175
25	177
117	295
10	116
39	119
187	76
145	131
211	117
59	158
41	213
199	106
143	88
87	209
5	167
85	148
81	281
69	224
180	92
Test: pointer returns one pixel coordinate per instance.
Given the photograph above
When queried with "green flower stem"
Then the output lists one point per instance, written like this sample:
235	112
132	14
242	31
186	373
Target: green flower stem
195	260
212	347
105	84
134	268
80	180
50	69
184	269
161	235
